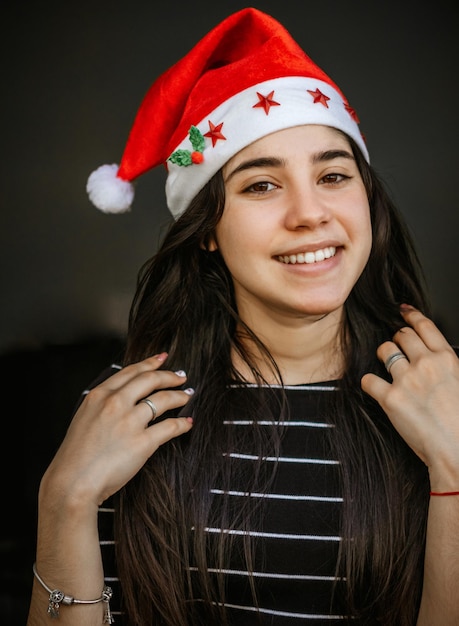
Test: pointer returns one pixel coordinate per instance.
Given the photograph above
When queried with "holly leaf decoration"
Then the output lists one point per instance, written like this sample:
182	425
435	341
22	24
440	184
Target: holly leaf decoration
185	157
197	139
181	157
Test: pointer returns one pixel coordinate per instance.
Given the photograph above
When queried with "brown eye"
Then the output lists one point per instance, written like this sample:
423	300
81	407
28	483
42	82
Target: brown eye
333	179
261	187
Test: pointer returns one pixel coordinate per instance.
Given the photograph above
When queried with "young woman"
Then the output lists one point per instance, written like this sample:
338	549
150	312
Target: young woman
281	443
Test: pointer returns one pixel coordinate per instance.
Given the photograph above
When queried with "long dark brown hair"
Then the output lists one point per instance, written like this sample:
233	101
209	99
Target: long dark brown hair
185	305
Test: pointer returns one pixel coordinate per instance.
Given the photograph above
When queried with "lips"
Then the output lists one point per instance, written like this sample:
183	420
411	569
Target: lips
308	257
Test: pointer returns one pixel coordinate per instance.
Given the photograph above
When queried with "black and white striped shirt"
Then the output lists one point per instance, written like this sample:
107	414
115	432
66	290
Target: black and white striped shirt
300	536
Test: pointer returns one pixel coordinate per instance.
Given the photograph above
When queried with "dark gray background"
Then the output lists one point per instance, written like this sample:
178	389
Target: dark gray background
72	77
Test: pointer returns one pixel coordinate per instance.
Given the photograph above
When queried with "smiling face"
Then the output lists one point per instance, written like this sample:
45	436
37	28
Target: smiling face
295	232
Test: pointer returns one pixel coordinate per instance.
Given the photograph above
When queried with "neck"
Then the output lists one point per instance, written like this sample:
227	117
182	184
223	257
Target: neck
305	349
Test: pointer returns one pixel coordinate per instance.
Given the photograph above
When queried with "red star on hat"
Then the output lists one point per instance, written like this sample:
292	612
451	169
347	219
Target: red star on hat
215	133
319	97
266	102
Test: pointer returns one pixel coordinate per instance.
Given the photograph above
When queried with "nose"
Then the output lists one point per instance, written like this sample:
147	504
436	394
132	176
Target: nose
306	208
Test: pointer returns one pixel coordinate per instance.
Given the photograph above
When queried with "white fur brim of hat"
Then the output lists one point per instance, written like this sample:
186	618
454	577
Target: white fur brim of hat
243	124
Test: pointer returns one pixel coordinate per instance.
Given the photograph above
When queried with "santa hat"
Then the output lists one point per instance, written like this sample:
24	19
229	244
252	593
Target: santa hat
245	79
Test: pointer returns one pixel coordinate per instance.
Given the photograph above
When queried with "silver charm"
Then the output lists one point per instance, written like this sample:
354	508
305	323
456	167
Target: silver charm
55	598
107	594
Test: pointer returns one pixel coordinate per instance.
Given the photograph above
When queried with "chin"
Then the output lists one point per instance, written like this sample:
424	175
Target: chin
321	311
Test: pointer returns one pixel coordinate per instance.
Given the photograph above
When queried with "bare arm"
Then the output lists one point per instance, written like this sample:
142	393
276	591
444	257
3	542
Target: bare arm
440	602
107	443
423	404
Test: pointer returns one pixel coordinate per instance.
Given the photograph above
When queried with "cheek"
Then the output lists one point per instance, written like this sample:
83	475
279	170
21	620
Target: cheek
364	234
236	248
363	226
359	212
357	222
238	231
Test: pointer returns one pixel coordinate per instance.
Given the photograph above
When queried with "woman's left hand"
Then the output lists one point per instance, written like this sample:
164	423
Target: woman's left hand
422	401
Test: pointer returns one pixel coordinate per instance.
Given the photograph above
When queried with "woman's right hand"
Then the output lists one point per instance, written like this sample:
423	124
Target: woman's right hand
111	435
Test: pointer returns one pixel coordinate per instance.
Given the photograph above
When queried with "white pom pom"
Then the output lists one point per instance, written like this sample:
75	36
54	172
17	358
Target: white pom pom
108	192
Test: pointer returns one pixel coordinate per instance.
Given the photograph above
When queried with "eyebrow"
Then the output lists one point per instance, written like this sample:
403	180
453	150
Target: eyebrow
252	163
318	157
329	155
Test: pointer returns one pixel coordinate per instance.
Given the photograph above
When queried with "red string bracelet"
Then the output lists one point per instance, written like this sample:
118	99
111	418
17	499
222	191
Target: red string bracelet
444	493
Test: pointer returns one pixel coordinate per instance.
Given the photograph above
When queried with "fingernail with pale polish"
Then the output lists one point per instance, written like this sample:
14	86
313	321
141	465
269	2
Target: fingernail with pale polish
189	391
180	373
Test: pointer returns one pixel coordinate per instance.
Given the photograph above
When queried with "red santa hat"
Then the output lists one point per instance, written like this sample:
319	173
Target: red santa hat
245	79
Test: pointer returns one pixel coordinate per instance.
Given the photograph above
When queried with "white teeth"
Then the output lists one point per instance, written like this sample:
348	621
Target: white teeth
309	257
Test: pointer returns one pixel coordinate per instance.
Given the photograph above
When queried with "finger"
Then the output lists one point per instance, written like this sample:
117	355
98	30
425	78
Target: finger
129	372
392	356
375	386
425	328
153	406
143	379
122	400
168	429
149	381
410	343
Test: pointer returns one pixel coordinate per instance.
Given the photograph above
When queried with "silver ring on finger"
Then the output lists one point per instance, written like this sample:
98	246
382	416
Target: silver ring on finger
392	358
152	407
